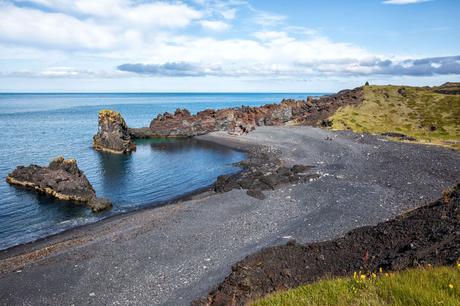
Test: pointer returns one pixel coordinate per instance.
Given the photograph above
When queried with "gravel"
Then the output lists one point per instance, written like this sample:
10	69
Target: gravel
176	253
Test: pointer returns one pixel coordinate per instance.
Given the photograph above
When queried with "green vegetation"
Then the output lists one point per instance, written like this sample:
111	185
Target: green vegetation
430	117
422	286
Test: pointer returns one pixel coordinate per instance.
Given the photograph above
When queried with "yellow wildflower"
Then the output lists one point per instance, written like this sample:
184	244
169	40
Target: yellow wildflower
380	270
451	286
355	275
363	277
386	274
374	275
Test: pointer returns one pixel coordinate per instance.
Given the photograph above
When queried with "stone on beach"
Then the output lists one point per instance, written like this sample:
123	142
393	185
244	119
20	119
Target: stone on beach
113	135
62	179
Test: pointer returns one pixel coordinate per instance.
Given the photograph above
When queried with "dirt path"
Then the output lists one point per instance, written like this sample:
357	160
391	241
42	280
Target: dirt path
177	253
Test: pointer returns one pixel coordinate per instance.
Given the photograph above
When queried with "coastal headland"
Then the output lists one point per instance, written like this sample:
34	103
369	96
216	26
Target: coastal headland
177	253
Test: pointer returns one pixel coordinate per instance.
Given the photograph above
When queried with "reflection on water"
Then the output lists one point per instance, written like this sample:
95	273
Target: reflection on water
114	169
158	171
64	124
183	144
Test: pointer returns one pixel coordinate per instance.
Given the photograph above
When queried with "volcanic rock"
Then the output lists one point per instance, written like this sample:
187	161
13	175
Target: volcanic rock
264	170
425	236
113	135
62	179
242	120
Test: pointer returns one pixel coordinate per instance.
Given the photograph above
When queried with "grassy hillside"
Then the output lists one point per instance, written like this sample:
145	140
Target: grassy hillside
422	286
430	117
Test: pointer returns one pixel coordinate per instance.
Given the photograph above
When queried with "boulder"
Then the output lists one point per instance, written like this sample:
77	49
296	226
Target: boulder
62	179
113	135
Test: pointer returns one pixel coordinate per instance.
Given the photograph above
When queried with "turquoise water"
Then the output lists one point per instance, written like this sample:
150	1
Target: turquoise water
35	128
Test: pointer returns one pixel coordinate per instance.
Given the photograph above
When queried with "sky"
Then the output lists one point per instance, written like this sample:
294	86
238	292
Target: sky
226	46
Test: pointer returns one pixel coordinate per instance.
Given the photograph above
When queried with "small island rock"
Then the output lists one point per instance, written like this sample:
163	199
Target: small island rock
62	179
113	135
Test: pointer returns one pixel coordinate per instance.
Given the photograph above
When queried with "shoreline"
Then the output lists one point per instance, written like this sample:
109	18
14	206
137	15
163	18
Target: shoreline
186	248
194	194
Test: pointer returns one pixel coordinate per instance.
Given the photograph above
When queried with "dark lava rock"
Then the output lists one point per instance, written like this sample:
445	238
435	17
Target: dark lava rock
256	194
427	235
263	170
399	135
112	135
62	179
242	120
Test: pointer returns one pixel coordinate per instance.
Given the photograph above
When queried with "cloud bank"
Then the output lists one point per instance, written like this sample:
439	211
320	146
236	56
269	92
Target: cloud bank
346	67
199	38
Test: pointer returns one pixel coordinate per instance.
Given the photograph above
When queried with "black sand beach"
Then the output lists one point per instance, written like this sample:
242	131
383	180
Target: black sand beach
177	253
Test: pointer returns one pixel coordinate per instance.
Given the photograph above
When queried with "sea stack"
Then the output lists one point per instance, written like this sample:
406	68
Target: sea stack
112	135
62	179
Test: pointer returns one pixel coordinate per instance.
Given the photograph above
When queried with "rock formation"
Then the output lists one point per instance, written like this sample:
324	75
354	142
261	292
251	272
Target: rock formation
244	119
112	135
449	88
264	170
426	236
61	179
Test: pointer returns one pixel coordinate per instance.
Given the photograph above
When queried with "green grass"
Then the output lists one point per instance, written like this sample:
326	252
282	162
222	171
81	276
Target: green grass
422	286
430	117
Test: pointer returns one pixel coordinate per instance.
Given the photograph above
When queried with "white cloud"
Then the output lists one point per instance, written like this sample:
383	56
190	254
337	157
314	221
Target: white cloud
129	13
268	19
215	25
85	24
55	30
402	2
89	39
229	13
64	72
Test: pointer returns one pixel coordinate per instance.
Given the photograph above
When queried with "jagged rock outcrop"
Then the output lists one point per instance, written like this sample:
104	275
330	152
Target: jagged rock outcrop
244	119
62	179
112	135
264	170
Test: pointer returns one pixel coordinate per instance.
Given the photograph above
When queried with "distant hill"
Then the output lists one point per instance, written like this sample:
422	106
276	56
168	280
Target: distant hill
452	88
422	114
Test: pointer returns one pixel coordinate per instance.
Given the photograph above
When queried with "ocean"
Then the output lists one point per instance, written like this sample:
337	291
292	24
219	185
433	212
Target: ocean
35	128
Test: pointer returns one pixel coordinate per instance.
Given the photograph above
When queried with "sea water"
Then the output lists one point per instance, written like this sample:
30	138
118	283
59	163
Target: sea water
35	128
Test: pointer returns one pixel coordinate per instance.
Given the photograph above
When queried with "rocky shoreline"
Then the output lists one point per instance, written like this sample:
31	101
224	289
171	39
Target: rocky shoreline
263	170
429	235
179	252
242	120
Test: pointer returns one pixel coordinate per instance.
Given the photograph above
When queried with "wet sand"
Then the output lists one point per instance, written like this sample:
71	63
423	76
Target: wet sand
177	253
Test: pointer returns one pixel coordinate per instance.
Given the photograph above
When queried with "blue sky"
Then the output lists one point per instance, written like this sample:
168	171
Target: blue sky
235	45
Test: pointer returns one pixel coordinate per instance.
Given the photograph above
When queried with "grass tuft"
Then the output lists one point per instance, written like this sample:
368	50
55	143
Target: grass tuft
430	117
422	286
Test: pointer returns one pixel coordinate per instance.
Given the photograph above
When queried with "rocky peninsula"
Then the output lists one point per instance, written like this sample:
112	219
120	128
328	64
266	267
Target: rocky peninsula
62	179
242	120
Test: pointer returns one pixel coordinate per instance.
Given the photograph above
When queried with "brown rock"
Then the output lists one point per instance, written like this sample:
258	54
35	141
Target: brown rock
242	120
113	135
62	179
